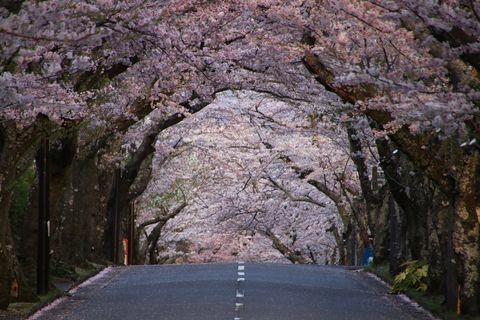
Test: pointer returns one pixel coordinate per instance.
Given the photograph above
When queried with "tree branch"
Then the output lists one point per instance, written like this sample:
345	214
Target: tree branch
292	197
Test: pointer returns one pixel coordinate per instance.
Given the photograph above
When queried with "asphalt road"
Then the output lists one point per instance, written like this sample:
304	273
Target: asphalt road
231	291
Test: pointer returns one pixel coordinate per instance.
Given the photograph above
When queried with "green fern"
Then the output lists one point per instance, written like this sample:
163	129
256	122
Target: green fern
415	276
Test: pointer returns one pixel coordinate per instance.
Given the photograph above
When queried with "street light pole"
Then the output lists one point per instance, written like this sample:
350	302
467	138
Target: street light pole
43	251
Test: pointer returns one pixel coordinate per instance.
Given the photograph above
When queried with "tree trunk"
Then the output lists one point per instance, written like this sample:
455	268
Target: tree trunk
293	256
152	242
154	236
381	226
18	149
6	254
466	234
119	195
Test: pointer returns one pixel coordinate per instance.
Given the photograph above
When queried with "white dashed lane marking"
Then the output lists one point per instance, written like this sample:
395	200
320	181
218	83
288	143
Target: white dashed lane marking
240	294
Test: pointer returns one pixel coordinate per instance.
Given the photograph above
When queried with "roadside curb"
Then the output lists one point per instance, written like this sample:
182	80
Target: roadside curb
63	296
405	299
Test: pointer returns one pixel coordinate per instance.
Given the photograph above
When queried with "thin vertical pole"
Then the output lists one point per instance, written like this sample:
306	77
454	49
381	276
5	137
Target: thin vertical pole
131	234
43	219
116	219
451	285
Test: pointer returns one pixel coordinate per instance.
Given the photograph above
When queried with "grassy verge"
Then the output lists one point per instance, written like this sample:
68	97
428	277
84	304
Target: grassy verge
432	303
382	271
85	273
22	310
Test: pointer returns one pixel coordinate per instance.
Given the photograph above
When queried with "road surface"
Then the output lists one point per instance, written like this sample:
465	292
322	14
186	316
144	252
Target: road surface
241	291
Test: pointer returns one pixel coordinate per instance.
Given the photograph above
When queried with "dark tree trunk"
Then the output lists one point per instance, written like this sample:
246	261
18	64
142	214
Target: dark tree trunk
18	151
152	243
397	238
293	256
466	234
119	198
381	226
154	236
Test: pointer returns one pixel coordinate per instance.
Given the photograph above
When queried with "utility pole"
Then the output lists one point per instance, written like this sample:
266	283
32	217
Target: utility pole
43	251
116	217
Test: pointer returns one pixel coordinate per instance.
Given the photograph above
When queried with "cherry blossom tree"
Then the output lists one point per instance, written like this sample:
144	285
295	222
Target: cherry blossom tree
109	67
241	150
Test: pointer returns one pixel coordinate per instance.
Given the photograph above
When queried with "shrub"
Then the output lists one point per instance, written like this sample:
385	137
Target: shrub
415	276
